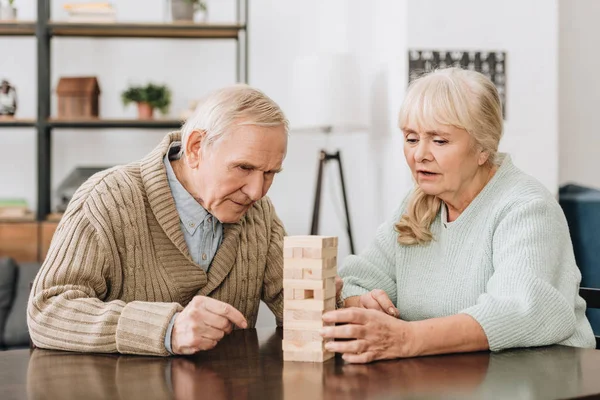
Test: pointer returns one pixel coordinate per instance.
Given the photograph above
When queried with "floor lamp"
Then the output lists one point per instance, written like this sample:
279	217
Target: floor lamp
325	97
324	158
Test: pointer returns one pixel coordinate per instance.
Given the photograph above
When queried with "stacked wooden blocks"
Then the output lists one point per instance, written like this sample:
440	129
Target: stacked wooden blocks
309	270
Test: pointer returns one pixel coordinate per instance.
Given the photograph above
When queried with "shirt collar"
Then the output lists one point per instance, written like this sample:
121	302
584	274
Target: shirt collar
191	213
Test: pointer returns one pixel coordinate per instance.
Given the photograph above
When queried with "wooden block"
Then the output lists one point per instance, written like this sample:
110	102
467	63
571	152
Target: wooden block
310	304
288	294
309	241
299	315
328	292
310	263
294	345
288	252
328	252
301	294
307	356
301	334
297	252
300	325
289	273
306	284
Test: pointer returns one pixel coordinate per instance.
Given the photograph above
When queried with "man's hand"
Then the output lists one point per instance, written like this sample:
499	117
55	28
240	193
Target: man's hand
378	300
202	323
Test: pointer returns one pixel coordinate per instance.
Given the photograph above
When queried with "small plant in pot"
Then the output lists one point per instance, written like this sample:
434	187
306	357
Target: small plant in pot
8	11
184	10
147	99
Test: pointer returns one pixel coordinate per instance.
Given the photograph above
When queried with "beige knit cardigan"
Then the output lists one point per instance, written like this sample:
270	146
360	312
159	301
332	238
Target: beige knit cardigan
118	267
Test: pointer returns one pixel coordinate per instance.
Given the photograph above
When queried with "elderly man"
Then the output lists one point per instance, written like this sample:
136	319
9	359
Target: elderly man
165	255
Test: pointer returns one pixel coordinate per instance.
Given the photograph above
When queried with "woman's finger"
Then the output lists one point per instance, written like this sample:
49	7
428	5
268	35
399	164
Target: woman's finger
384	302
350	346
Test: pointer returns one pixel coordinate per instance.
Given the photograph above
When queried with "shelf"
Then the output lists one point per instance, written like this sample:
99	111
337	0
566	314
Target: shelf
16	122
115	123
146	30
17	28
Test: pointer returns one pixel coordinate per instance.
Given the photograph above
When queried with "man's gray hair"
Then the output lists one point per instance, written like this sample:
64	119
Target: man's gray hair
237	104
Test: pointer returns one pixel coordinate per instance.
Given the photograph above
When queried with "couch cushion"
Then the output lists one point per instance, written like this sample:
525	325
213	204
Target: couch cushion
15	332
8	279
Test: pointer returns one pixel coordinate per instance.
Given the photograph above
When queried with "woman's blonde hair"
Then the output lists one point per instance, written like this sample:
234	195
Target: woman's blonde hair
241	104
460	98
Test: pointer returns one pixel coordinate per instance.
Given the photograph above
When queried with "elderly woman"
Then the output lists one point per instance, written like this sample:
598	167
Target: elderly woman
477	257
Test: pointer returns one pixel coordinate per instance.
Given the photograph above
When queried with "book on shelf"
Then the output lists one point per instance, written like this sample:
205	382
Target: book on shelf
14	209
90	12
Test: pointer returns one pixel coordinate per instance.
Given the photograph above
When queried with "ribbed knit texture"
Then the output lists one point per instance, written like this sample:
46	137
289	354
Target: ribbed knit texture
507	261
118	267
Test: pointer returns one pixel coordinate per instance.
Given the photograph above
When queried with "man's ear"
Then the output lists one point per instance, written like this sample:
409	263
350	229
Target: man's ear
193	148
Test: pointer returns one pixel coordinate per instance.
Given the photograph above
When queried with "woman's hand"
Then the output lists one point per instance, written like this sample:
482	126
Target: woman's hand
377	336
378	300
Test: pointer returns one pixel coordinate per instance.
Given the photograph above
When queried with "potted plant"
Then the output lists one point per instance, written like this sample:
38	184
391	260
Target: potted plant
148	98
184	10
8	11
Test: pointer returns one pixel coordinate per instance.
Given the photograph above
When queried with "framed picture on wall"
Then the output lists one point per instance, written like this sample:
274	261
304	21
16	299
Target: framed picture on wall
490	63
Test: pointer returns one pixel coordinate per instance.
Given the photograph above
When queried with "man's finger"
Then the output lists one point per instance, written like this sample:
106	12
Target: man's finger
216	321
225	310
212	333
384	302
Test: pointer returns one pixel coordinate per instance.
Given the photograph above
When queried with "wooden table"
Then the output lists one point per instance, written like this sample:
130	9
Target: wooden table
248	365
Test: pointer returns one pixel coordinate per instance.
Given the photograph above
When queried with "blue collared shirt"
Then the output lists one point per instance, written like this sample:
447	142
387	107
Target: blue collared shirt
202	232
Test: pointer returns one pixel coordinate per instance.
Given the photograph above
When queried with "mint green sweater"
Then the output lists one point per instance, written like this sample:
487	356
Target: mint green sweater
507	261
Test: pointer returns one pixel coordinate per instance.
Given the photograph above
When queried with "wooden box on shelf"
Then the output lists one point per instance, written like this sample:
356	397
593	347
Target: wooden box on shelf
78	97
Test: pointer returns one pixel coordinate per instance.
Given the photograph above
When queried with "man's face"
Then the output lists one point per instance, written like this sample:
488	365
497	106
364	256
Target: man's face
231	175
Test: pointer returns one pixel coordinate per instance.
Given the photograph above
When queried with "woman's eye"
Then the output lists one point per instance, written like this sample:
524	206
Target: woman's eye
440	142
411	140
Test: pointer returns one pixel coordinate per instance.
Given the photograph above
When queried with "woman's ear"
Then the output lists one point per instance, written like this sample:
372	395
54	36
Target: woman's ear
483	157
193	148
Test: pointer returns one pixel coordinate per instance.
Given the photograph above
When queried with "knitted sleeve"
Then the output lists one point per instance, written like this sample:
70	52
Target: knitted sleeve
375	267
530	298
68	307
272	293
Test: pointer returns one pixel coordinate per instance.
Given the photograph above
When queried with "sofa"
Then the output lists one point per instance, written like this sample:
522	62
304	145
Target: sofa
15	280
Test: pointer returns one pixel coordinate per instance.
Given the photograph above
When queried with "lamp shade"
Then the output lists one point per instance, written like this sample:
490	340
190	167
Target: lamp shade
325	92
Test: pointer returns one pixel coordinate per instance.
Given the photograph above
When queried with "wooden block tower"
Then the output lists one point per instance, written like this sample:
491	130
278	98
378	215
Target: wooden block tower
309	270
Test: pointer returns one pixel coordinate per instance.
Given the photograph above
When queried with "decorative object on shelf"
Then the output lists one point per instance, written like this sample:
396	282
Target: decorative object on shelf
490	63
68	187
91	12
8	99
78	97
8	11
189	10
15	209
148	98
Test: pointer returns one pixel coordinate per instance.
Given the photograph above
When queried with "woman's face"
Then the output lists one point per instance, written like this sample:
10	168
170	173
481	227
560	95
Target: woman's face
444	160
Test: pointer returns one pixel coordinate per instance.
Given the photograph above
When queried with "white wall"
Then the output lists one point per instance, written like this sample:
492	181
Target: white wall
579	91
528	31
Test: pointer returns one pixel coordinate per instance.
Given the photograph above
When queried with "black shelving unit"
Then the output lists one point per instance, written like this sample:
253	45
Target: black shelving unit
44	29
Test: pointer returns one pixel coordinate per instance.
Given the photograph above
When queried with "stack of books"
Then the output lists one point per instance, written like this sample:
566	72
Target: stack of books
91	12
11	209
